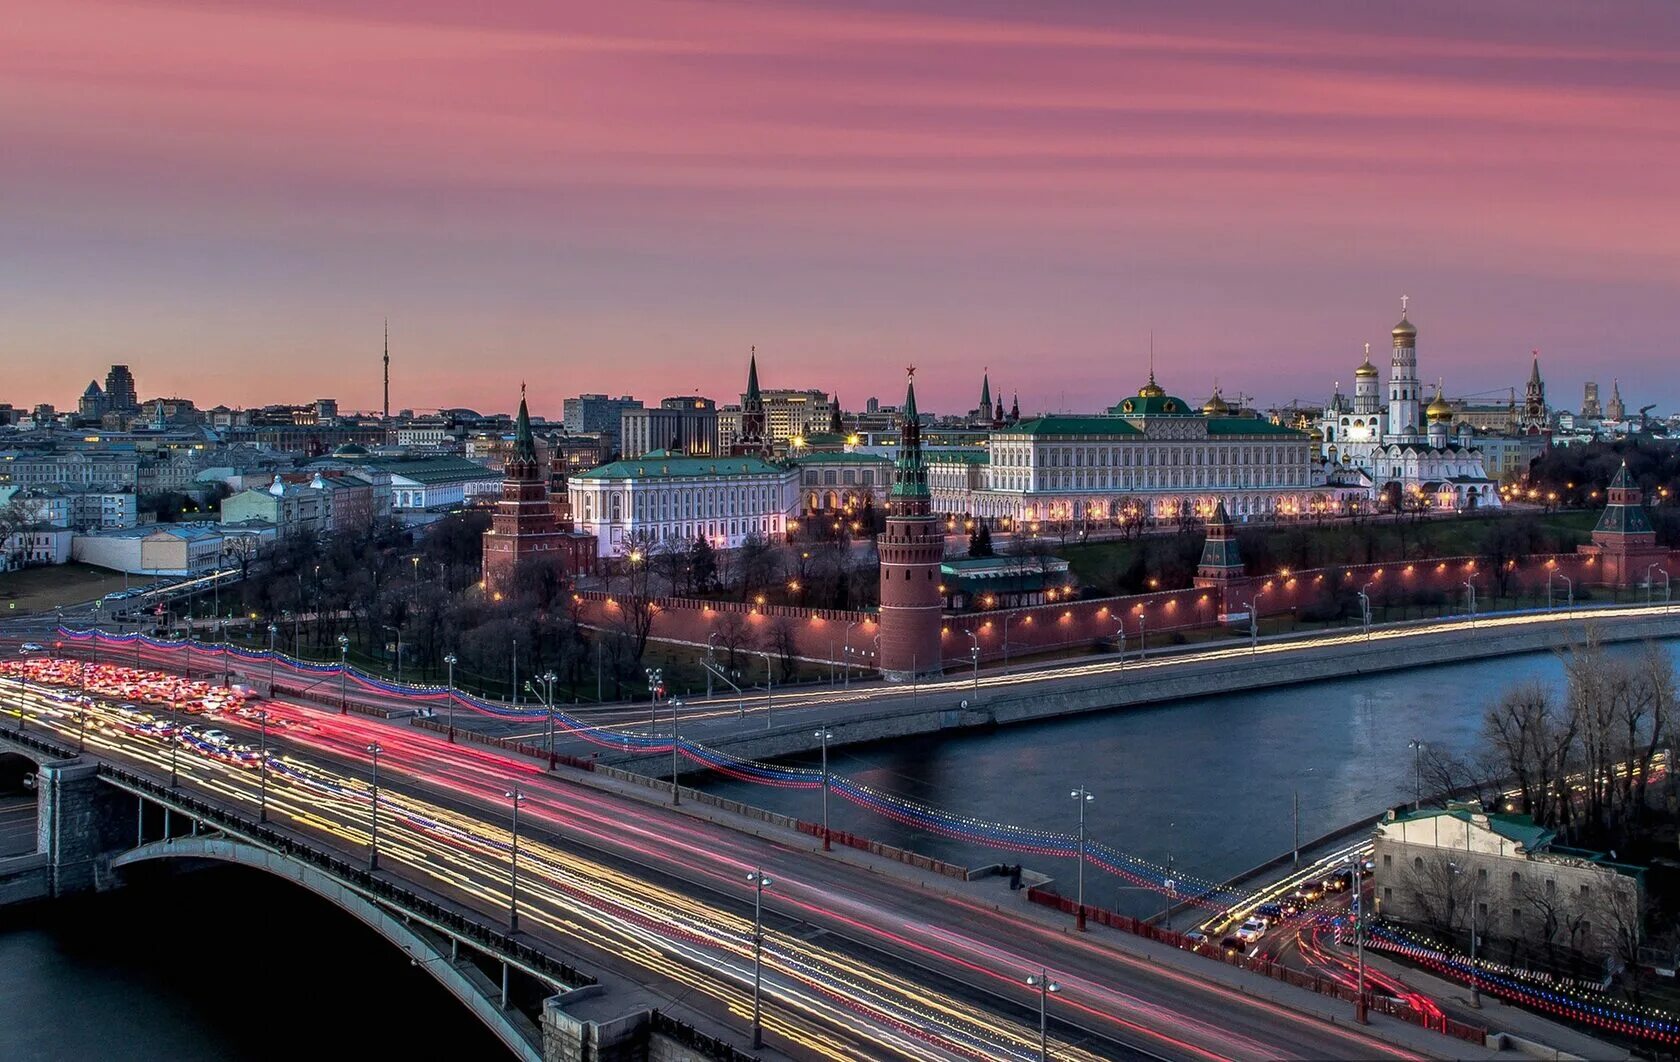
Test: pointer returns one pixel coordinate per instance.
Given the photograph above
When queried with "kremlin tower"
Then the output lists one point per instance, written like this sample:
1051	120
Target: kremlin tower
911	550
524	526
754	440
1624	542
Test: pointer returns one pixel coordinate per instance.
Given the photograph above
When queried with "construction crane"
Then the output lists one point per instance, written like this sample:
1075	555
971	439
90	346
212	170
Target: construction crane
1644	422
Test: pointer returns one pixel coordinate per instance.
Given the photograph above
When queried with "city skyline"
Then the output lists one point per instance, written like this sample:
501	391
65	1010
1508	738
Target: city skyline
625	200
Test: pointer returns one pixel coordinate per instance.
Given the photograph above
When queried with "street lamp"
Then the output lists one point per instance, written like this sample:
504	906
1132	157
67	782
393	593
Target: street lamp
273	632
515	797
847	683
343	670
1365	601
1650	583
388	627
759	883
825	735
373	835
1470	600
1359	1008
769	695
545	697
174	739
1120	641
1045	986
654	677
676	790
1143	637
450	661
1007	620
1569	585
262	765
974	652
1083	798
1417	747
1475	983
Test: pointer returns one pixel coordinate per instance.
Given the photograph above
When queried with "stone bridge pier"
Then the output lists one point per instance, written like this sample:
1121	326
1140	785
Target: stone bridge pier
80	824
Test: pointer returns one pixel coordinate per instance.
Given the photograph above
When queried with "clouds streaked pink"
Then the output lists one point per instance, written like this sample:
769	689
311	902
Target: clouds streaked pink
623	197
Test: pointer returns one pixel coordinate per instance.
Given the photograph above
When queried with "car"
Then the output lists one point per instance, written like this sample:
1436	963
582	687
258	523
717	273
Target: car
1310	892
215	737
1195	939
32	647
1270	912
1233	944
1337	882
1251	930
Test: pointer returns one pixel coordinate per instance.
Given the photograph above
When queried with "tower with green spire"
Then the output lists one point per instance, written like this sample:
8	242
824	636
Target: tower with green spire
1624	544
524	527
911	551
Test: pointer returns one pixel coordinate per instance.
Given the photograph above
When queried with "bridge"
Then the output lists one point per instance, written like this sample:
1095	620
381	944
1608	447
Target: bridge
601	917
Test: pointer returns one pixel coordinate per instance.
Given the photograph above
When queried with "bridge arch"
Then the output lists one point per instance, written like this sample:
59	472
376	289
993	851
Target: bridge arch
518	1033
20	805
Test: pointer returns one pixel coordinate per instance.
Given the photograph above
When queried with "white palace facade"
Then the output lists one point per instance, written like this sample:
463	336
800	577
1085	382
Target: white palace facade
1152	457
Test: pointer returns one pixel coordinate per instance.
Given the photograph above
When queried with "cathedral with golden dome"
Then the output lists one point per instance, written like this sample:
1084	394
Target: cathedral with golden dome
1403	451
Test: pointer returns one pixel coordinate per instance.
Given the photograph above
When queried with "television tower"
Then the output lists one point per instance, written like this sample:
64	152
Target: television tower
387	368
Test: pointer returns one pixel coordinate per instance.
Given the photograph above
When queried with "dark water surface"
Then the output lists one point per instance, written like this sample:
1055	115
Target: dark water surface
225	963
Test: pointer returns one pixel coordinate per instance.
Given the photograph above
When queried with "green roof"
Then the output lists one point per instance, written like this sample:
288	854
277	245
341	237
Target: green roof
1056	424
842	459
1514	827
1154	406
1249	426
650	466
435	469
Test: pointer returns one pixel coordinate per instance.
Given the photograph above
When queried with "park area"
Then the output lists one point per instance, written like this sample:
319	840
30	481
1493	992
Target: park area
45	588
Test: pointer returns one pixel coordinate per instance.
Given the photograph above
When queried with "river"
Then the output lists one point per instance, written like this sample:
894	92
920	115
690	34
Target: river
227	964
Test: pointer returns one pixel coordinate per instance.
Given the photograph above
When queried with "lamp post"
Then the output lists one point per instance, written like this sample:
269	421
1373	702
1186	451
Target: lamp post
542	688
1475	982
449	705
1359	1007
1045	986
373	835
1083	798
515	797
974	652
1365	600
343	671
654	677
1417	748
676	790
825	735
759	883
388	627
174	740
769	695
1569	585
1470	601
1650	583
1007	620
273	632
1143	637
262	765
1120	641
847	652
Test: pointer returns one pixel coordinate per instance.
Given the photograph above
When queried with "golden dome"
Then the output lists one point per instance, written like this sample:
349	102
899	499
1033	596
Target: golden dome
1216	406
1440	409
1366	370
1404	329
1151	389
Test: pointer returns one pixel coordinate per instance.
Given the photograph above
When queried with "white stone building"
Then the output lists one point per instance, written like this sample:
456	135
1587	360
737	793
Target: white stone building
666	497
1412	454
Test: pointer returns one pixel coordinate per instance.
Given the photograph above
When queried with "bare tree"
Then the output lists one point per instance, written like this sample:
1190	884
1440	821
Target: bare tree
781	641
632	592
1440	894
735	636
1530	739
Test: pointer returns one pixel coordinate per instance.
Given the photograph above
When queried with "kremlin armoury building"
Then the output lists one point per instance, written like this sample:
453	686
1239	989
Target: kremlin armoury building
1154	449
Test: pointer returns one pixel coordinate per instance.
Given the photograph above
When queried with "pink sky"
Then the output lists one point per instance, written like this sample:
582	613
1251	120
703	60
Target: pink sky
624	197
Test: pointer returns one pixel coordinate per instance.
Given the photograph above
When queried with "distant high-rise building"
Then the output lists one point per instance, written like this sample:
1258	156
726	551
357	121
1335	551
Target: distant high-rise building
93	402
120	396
1590	409
326	410
688	426
598	414
872	406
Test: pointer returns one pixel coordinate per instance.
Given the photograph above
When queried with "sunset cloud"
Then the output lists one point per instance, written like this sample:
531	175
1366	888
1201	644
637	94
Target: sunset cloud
625	196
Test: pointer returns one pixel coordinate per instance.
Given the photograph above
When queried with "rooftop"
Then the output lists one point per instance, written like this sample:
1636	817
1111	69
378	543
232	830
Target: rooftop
660	465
